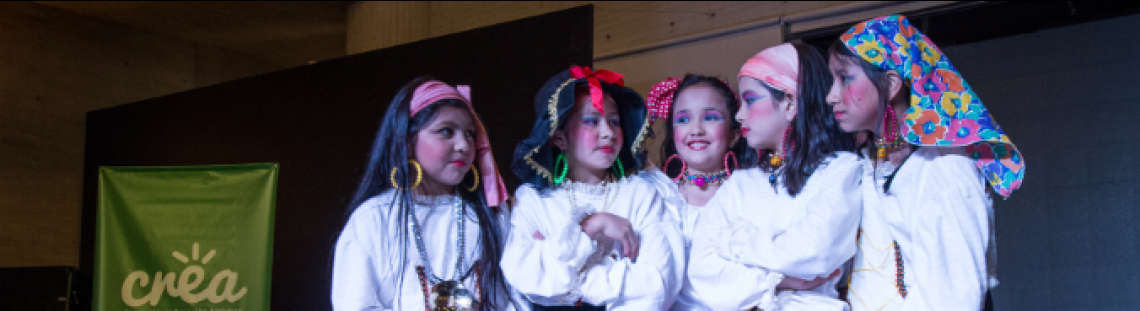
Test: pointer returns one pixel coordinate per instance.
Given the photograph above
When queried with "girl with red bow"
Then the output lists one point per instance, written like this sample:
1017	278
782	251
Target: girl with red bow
585	235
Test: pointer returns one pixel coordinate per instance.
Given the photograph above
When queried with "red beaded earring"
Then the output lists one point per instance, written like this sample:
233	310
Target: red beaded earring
891	136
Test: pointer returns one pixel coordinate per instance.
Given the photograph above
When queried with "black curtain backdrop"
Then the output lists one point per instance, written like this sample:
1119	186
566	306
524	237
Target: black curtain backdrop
318	122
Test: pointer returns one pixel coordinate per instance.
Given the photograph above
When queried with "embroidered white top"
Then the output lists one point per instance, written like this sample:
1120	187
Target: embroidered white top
368	273
567	265
939	212
754	235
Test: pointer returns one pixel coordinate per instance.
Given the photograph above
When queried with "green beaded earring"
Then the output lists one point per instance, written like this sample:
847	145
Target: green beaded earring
618	169
560	177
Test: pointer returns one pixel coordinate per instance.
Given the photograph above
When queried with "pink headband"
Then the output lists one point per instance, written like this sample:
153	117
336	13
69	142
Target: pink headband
777	66
434	91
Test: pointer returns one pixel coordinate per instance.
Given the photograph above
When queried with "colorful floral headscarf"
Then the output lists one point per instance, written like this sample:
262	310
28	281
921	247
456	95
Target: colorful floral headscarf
944	110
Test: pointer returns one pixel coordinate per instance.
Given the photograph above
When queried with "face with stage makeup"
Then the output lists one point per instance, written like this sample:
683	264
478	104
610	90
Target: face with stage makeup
445	147
857	95
854	98
702	130
590	139
764	115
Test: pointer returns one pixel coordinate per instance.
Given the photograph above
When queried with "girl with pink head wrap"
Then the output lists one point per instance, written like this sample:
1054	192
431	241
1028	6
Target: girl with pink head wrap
784	229
426	229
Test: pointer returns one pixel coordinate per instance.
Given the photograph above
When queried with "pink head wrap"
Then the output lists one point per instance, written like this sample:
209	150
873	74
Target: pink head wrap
434	91
777	66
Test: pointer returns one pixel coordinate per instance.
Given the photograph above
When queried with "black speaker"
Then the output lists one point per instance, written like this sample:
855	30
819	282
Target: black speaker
39	288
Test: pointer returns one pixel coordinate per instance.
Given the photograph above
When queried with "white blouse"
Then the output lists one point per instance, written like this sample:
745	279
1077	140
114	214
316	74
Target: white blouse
368	271
567	266
685	215
939	212
753	235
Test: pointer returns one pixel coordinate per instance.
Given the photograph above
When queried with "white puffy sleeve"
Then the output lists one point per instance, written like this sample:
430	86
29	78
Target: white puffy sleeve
666	192
545	271
651	282
815	244
357	274
724	284
945	262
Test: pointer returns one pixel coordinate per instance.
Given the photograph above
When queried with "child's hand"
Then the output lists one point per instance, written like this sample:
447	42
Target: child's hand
801	284
614	227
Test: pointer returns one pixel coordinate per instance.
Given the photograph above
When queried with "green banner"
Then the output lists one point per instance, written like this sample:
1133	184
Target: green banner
185	238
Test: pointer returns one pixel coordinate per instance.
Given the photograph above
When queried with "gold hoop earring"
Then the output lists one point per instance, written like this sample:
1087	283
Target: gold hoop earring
419	175
476	185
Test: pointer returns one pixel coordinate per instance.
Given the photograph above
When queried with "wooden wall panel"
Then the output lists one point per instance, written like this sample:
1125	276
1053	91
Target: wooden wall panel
54	67
618	25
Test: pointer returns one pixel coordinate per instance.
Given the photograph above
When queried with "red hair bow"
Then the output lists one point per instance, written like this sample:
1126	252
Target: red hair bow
593	77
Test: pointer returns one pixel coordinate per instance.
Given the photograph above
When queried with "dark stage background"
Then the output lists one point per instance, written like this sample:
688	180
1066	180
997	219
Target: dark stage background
318	122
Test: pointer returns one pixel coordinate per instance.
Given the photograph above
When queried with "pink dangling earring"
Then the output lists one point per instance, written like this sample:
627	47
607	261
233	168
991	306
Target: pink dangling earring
727	171
683	166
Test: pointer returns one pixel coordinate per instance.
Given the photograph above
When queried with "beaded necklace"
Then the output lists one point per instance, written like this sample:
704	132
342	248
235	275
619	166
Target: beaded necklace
445	294
604	185
702	179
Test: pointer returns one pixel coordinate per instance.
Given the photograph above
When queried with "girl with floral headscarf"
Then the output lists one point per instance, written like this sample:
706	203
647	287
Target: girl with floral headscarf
926	234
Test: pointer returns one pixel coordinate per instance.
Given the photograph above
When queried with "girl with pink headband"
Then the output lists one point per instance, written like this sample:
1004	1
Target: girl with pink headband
427	226
782	231
926	237
702	150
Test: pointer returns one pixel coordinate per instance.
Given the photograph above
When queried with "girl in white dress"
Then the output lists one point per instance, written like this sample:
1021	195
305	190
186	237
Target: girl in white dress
926	237
701	150
586	236
781	232
425	232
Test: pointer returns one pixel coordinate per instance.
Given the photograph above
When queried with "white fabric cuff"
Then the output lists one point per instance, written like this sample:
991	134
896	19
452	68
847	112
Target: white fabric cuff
770	301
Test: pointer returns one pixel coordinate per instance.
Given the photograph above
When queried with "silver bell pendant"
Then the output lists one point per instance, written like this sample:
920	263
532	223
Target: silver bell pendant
450	295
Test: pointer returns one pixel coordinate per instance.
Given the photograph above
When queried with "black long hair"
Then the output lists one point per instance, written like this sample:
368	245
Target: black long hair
390	150
815	132
882	82
745	156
